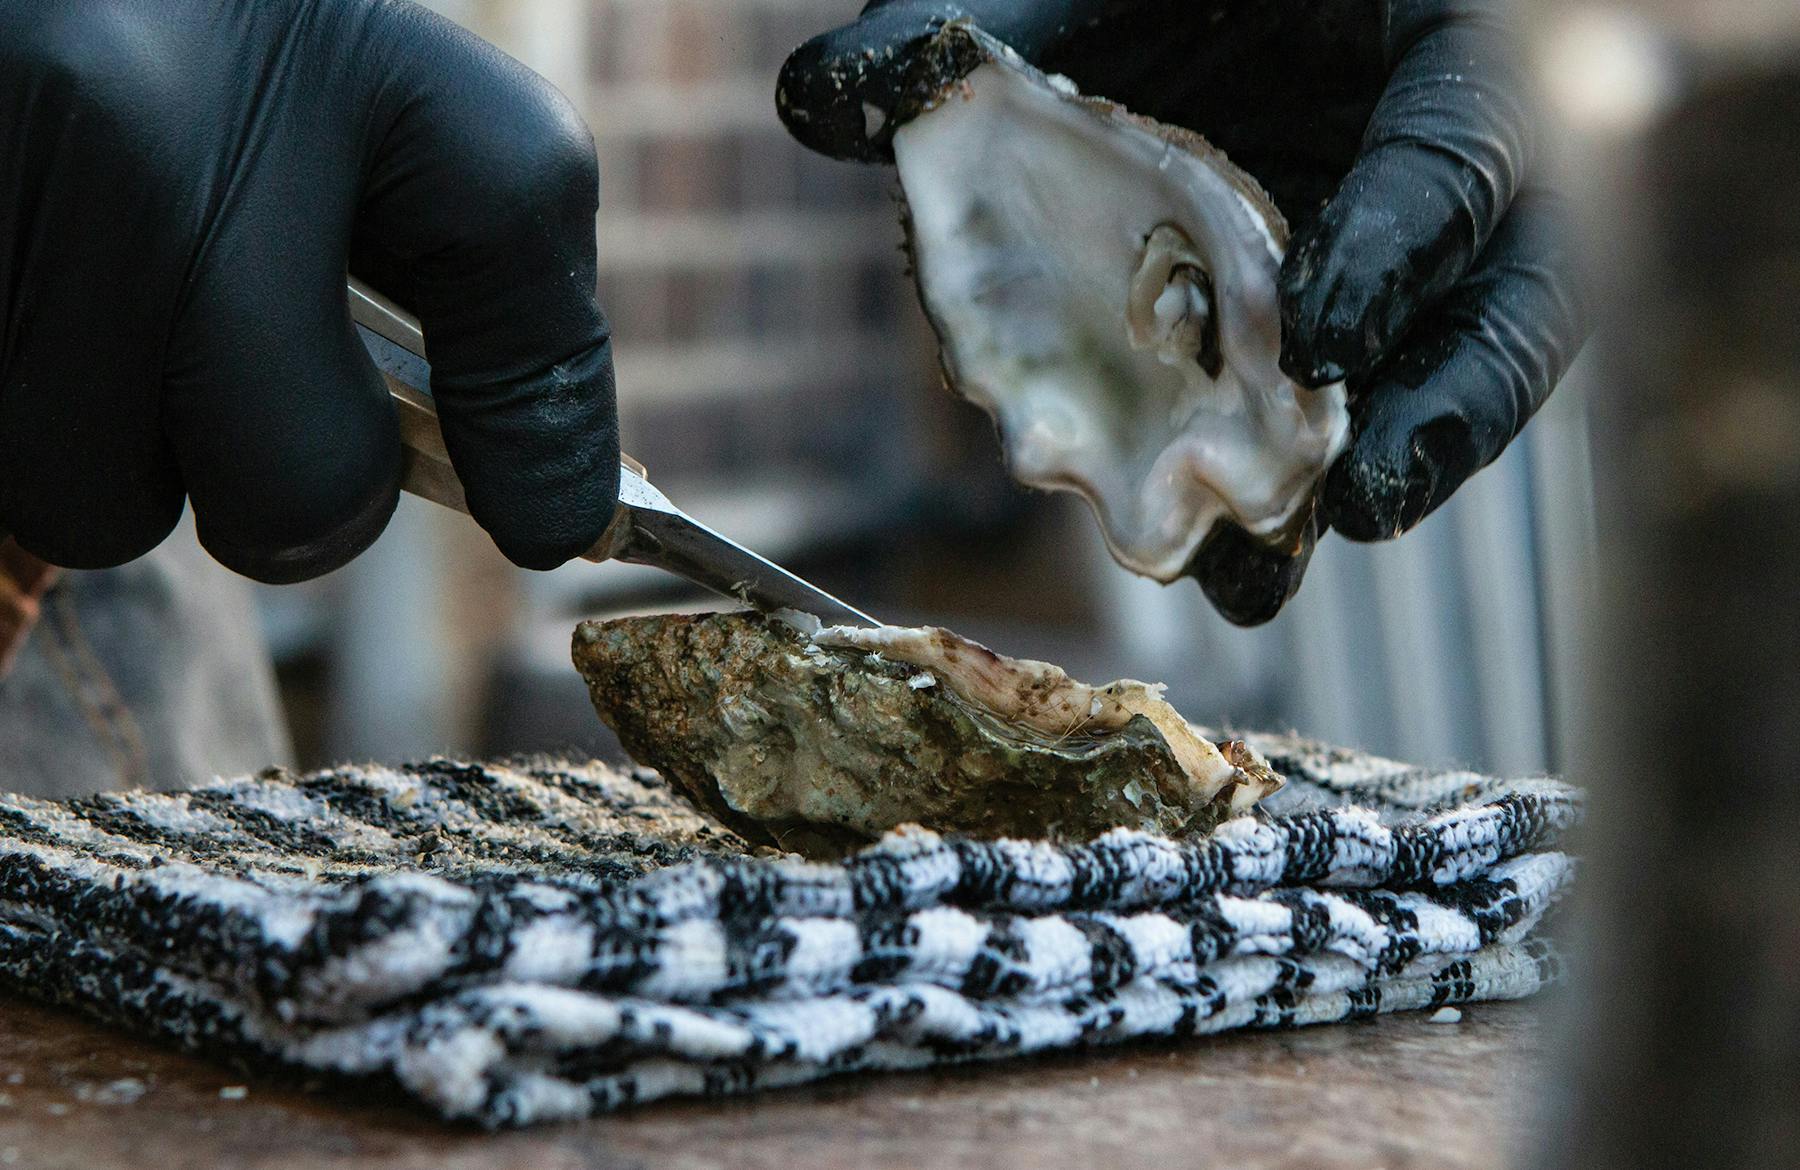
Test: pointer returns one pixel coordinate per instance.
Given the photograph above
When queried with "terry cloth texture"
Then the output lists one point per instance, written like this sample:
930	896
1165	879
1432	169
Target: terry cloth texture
535	941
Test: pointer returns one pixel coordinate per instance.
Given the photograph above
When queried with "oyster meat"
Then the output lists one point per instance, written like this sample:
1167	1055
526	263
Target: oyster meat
819	740
1104	287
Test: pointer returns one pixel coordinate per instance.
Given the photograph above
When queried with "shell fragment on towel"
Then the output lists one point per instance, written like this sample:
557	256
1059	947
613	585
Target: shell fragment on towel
1104	287
819	741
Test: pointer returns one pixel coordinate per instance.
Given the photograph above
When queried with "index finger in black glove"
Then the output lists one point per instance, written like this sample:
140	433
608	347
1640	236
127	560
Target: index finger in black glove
192	179
479	215
1445	151
1474	369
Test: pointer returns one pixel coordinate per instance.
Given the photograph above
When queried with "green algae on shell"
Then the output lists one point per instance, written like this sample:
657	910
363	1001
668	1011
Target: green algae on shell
820	742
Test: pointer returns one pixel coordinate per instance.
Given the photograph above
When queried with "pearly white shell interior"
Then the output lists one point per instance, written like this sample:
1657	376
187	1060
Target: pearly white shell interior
1033	215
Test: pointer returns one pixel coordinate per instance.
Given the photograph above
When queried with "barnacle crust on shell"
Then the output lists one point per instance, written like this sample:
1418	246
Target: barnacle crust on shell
819	741
1104	287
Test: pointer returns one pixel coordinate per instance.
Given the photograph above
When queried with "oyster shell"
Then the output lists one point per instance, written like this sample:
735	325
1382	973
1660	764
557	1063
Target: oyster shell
1104	286
821	741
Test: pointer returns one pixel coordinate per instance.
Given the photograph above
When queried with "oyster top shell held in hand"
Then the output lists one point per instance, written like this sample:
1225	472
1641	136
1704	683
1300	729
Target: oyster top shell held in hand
1105	287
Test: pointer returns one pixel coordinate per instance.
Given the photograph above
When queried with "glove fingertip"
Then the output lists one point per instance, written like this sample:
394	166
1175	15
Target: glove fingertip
825	97
539	457
841	92
1322	338
1365	503
334	543
1395	476
546	538
1312	370
1245	580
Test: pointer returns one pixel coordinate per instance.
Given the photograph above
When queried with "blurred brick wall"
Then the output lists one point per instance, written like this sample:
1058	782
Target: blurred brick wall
765	332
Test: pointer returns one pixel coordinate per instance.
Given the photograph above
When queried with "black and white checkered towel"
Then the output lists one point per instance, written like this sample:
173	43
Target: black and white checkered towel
520	943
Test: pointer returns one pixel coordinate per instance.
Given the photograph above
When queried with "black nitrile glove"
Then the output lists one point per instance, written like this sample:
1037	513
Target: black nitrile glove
183	184
1425	268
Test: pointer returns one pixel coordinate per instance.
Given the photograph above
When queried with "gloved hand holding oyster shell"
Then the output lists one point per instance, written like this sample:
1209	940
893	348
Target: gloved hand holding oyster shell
1129	305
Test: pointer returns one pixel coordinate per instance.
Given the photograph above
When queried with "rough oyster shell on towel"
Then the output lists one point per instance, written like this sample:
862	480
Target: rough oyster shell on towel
821	741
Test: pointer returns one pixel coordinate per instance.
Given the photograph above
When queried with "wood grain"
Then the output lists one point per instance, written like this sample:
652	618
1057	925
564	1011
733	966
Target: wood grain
1396	1092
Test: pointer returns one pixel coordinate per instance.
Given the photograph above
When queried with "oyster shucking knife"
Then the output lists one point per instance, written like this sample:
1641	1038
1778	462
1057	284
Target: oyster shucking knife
646	530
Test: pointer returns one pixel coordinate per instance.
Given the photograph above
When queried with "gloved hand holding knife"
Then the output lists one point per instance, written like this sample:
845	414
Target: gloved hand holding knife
225	173
185	183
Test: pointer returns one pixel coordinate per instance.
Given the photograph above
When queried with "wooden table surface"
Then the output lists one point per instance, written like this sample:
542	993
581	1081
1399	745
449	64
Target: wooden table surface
1394	1092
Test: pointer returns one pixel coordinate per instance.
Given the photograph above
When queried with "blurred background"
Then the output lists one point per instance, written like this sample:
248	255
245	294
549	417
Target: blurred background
779	381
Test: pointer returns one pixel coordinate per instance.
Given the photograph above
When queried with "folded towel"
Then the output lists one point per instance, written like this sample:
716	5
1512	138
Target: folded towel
516	943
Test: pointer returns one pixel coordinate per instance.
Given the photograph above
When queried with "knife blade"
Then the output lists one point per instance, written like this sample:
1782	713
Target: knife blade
648	528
